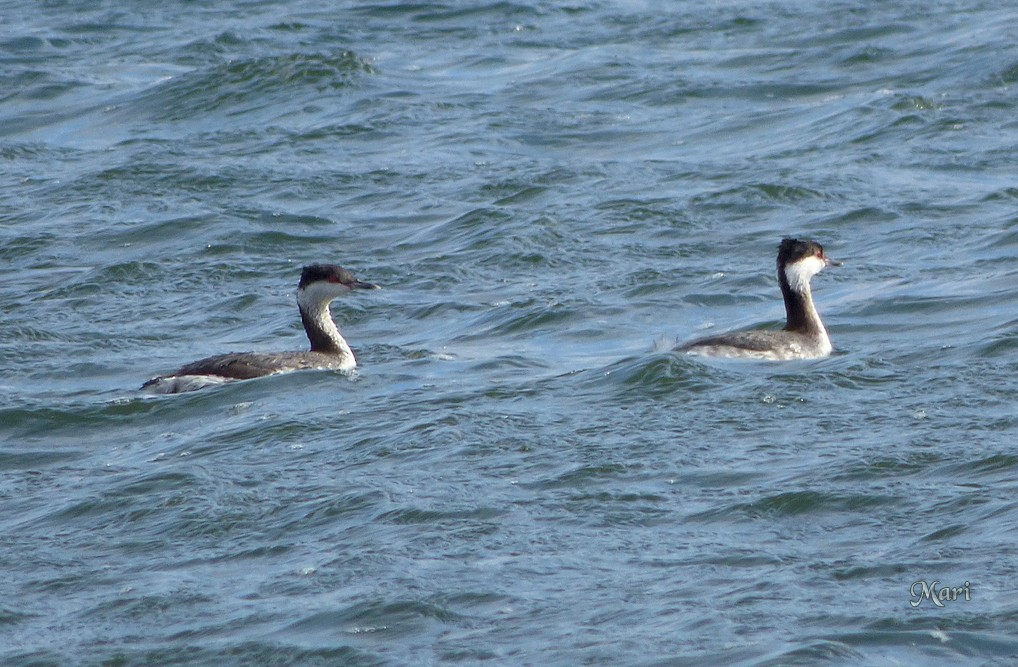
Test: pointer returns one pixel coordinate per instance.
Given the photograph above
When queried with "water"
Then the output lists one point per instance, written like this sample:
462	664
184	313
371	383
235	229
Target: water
521	473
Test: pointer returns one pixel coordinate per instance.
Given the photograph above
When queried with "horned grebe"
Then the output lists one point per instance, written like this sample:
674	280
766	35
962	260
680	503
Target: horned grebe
804	335
319	285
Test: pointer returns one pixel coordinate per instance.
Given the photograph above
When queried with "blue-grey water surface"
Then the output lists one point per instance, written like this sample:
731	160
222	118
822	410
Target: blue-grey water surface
551	194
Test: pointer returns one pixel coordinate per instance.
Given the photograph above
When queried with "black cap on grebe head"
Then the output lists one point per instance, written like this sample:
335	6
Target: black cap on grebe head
793	250
331	273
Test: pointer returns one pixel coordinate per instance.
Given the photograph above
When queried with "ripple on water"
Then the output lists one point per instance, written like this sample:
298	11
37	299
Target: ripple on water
248	85
796	503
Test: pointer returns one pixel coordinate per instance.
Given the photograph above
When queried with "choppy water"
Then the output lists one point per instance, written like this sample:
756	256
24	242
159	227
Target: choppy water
550	194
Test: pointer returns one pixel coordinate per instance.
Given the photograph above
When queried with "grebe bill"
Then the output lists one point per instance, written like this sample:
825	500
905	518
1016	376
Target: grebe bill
804	335
319	285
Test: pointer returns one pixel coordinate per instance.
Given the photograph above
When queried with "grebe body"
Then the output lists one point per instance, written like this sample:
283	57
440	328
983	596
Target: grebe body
804	335
319	285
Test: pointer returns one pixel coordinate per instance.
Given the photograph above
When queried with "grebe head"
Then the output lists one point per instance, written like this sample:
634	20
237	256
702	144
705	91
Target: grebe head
321	283
324	282
798	261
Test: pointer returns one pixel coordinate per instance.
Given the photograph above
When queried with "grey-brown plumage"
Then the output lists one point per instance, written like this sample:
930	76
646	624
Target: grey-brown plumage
319	285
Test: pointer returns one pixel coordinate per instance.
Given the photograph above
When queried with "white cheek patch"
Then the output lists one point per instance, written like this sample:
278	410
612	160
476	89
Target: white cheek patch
799	274
320	292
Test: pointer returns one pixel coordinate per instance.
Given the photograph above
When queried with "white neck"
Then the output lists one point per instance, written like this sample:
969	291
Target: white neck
802	314
313	302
